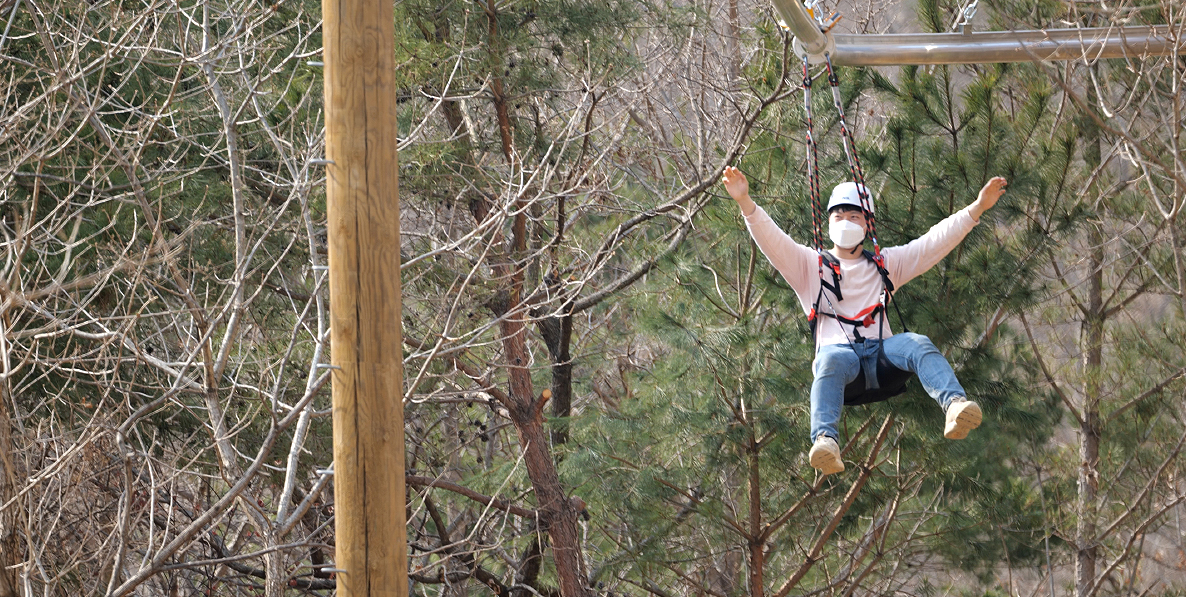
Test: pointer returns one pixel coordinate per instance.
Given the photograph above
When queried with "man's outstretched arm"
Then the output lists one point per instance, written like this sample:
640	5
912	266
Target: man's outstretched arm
794	261
912	259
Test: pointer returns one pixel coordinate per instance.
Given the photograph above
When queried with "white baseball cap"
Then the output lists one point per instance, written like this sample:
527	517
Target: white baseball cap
845	193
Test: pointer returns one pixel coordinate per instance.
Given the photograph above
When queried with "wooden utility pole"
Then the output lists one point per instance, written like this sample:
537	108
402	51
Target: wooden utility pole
363	207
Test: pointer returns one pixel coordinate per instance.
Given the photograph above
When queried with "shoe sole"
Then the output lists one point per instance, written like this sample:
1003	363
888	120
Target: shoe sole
966	419
827	463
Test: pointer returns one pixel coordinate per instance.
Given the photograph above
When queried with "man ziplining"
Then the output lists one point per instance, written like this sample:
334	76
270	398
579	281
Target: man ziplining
851	334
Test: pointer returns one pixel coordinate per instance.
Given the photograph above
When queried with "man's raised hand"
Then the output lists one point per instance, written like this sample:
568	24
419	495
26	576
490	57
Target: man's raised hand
989	195
738	187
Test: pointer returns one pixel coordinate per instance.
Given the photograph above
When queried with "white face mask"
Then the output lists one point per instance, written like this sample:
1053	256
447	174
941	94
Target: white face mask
846	234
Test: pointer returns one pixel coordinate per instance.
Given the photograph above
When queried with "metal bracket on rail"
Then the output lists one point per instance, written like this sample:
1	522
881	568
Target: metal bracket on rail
817	19
965	25
814	57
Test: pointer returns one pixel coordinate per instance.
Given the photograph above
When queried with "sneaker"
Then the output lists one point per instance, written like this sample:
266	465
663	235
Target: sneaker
825	456
963	415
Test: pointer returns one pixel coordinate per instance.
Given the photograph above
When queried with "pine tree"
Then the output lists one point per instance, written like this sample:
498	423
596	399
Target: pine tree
717	425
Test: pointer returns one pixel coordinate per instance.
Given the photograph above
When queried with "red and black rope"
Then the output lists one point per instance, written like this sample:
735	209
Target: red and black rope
854	161
817	208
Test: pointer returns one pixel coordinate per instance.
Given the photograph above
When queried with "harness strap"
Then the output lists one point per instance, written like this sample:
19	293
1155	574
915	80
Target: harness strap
867	316
863	319
834	266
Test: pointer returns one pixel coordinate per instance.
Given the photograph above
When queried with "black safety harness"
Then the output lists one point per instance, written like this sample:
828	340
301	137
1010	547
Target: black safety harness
866	317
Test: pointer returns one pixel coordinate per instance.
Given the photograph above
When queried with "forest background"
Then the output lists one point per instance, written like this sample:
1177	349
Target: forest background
164	421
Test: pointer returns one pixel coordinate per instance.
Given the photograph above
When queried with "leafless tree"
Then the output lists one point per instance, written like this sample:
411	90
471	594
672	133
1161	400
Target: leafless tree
1107	338
164	312
163	309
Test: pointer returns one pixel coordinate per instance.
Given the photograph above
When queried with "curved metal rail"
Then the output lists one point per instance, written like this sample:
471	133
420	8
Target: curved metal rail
979	47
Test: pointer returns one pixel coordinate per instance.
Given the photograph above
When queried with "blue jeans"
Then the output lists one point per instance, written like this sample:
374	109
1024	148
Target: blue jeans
838	364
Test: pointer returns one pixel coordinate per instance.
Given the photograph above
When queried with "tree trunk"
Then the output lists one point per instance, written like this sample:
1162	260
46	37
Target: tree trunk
557	515
757	546
1092	344
734	42
275	580
1089	430
557	334
10	545
1179	270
